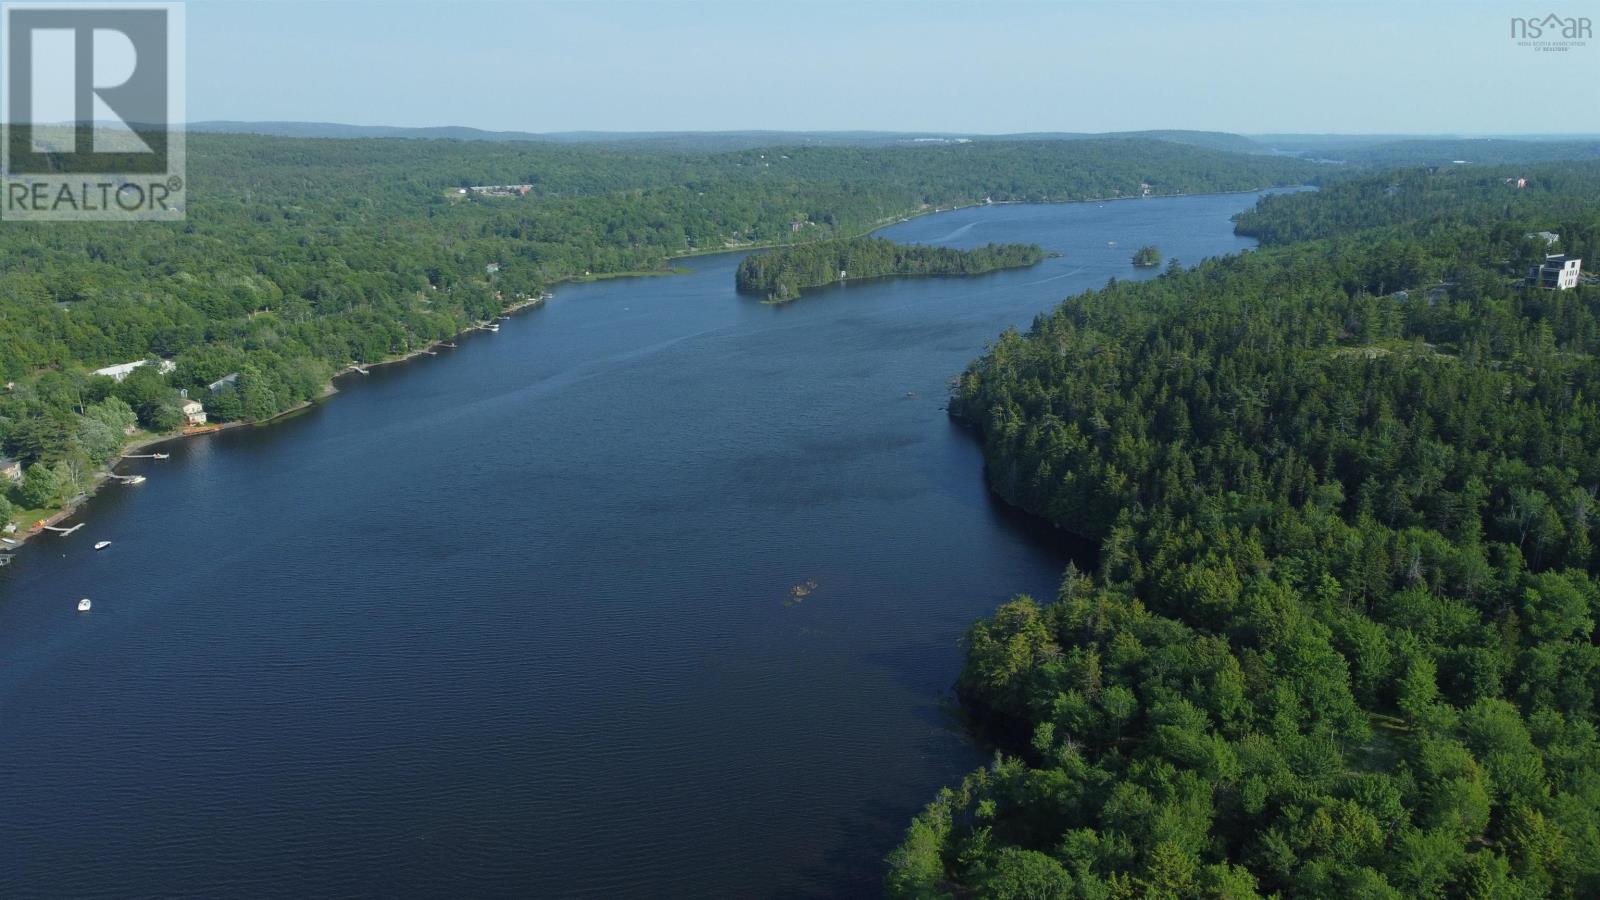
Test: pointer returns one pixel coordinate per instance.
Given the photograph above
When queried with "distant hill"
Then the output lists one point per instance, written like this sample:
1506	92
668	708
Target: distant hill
1477	151
1381	150
712	141
1387	150
1356	149
1211	140
338	130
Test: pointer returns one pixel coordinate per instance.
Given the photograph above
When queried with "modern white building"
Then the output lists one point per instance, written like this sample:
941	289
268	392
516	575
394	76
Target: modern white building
1558	273
122	370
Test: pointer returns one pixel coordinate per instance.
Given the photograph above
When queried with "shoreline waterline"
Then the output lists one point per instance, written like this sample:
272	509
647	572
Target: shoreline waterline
22	537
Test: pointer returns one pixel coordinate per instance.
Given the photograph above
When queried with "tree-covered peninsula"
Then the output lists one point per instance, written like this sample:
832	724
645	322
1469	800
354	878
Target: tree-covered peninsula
782	274
1341	638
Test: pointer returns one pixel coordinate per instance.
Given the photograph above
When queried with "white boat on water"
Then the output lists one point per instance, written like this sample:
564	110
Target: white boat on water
161	455
83	605
101	545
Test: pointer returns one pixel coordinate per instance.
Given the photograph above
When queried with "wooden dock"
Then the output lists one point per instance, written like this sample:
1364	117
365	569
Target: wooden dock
63	531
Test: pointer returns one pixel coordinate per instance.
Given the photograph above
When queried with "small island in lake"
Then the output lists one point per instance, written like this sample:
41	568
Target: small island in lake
1148	256
782	274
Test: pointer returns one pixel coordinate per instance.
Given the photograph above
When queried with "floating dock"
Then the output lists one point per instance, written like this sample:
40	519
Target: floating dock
63	531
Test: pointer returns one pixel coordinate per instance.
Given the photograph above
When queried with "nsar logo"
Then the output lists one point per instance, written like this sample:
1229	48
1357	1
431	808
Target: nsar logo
1552	33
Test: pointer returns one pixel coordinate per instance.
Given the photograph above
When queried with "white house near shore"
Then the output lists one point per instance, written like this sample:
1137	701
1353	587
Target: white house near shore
194	413
122	370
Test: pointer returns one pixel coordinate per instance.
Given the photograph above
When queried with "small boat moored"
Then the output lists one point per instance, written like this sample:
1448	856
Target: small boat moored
83	605
101	545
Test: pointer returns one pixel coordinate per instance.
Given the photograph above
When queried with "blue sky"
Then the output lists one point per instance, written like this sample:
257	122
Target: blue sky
998	66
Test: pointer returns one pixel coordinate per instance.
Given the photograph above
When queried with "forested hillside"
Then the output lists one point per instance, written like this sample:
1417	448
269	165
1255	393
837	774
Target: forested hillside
1466	151
298	257
1341	638
1561	197
781	274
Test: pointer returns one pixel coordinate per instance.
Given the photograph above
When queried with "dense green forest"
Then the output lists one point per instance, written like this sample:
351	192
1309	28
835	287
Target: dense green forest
298	257
782	274
1461	152
1559	197
1341	636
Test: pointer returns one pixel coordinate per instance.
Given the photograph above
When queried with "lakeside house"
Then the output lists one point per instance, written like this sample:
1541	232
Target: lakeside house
194	413
10	469
1549	237
498	190
122	370
1559	272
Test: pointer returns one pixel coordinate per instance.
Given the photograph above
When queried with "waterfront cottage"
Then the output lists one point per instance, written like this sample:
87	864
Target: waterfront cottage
193	412
10	469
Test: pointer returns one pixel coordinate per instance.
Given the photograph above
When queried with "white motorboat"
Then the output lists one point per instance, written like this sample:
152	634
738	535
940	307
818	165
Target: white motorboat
101	545
83	605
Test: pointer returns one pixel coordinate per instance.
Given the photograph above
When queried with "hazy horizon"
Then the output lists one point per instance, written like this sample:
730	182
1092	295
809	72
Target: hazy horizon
949	132
1239	66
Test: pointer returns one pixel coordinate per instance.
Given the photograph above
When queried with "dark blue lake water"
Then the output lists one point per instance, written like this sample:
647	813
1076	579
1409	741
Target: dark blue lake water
514	620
